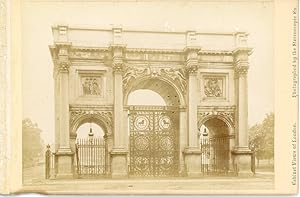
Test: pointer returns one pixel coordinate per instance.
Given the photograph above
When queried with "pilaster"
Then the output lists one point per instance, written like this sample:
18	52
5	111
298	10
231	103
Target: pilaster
64	155
63	65
241	153
192	153
192	69
119	150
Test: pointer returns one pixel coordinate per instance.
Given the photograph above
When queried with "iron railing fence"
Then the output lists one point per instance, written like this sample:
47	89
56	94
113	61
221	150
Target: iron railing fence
92	157
215	156
50	164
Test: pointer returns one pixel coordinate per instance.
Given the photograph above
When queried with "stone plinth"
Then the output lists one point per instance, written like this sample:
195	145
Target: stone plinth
119	168
192	158
64	162
242	161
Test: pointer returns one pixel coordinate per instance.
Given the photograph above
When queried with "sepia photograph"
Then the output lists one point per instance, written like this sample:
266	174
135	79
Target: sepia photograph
148	96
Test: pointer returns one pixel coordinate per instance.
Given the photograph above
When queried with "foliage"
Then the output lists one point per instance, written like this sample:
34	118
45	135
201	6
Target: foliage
33	145
261	138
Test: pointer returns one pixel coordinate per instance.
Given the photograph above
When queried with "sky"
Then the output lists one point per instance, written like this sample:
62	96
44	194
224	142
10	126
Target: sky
254	17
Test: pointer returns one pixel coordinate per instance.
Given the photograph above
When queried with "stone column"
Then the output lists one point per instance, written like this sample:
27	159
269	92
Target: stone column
182	139
242	153
119	151
192	153
109	144
64	154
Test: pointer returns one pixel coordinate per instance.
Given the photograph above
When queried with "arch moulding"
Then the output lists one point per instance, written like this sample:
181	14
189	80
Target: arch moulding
226	115
81	115
175	77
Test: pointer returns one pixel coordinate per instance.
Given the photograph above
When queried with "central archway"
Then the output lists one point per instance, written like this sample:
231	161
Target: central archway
153	127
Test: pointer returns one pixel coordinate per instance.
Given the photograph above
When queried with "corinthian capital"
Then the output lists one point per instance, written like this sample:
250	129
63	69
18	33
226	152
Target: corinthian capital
192	59
192	69
241	69
63	65
118	67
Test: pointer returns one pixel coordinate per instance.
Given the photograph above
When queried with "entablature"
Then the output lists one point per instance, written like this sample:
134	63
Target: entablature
136	55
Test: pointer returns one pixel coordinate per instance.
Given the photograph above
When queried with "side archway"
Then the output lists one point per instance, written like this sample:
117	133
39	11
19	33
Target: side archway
91	152
79	117
229	121
216	133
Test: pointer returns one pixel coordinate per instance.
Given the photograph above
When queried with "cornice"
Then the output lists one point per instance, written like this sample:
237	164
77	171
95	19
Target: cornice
215	52
247	50
74	107
192	49
153	50
216	108
82	48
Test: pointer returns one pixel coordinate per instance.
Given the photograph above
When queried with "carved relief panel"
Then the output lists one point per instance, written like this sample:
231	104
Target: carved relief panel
214	86
91	83
92	86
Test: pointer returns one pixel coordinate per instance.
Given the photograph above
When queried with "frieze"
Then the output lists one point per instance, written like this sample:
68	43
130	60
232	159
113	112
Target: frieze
164	57
89	53
176	75
216	58
155	57
135	56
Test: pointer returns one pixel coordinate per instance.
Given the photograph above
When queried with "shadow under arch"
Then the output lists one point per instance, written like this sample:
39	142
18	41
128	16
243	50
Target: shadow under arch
225	119
168	90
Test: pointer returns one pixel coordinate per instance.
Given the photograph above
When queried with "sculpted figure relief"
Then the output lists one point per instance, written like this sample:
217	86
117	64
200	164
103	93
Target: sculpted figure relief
91	86
176	75
212	88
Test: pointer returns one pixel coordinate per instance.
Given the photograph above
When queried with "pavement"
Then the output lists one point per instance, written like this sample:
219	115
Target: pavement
260	183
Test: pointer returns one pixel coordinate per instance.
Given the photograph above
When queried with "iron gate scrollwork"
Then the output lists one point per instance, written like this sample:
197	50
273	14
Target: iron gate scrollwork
215	156
91	157
154	143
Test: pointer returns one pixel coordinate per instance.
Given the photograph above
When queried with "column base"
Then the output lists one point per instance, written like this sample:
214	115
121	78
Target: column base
242	161
64	163
119	168
192	159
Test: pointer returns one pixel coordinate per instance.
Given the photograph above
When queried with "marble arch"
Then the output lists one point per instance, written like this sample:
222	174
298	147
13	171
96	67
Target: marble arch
96	69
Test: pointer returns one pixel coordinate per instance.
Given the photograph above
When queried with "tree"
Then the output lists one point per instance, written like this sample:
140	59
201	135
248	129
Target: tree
261	138
33	145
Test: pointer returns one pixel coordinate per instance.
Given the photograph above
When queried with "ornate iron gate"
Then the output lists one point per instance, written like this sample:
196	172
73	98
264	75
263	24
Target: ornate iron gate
215	155
154	146
91	156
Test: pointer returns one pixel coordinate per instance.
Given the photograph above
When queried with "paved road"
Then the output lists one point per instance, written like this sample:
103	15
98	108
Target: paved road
263	182
34	182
